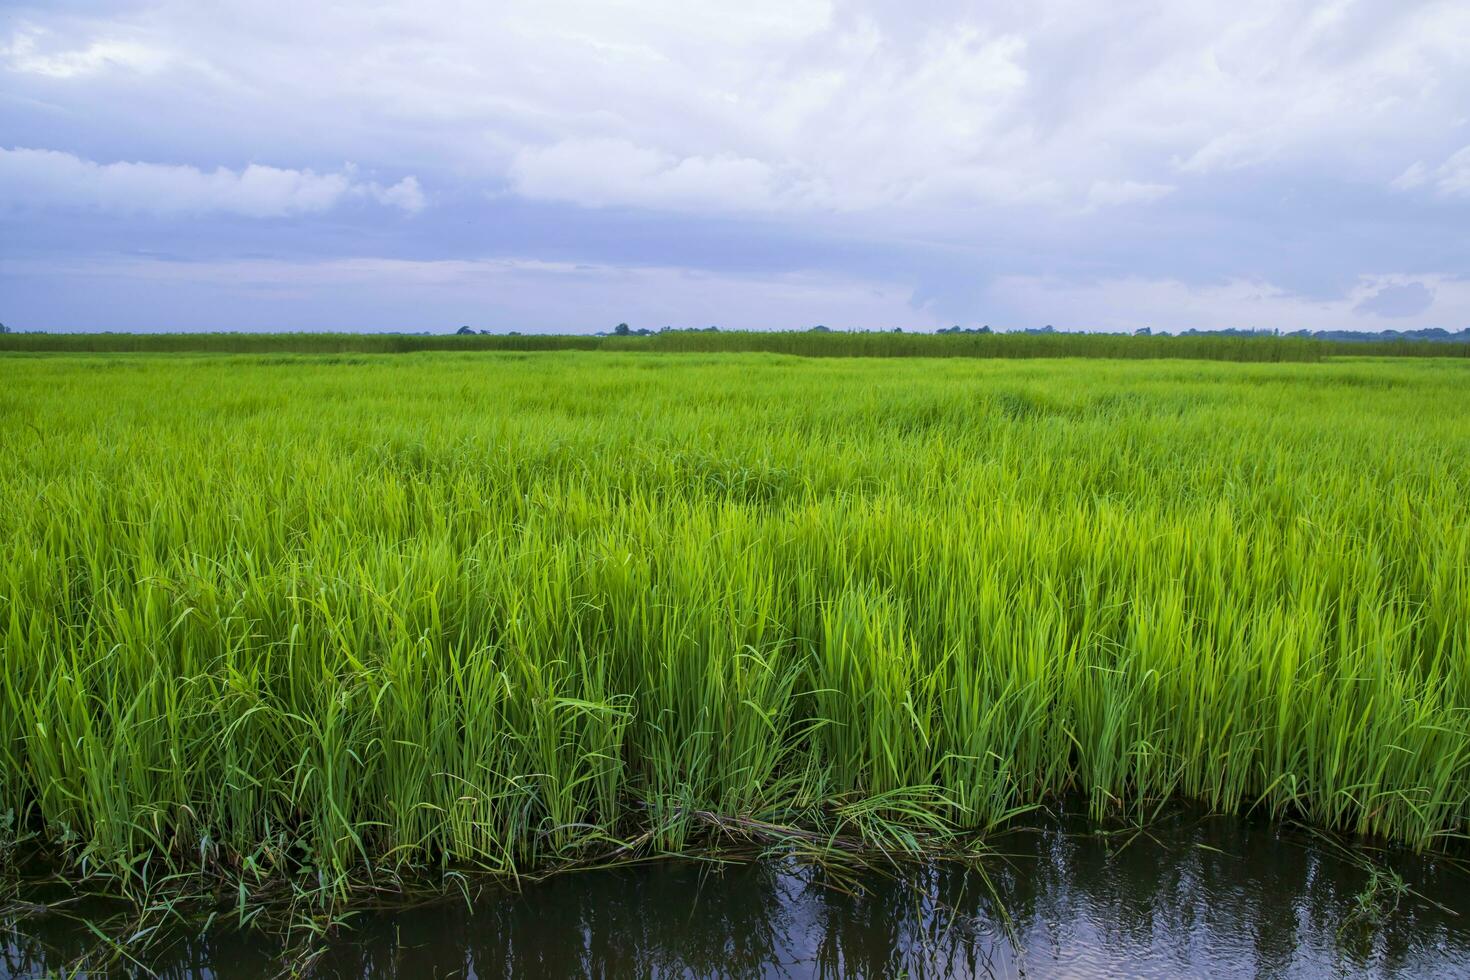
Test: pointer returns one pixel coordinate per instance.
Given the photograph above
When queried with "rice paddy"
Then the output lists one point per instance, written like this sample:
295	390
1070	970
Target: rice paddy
334	620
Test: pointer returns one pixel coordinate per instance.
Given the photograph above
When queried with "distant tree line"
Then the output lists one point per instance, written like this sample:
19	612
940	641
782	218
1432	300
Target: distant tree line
819	341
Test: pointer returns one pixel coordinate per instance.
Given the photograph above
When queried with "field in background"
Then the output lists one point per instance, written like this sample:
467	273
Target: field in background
807	344
312	618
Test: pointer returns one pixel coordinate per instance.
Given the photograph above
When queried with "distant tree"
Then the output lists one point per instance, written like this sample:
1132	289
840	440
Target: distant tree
621	330
985	329
464	332
819	328
1143	332
4	328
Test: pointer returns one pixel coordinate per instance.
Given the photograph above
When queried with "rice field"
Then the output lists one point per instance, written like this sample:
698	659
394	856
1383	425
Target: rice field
336	619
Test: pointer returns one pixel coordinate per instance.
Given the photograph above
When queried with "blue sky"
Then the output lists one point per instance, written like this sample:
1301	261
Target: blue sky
765	164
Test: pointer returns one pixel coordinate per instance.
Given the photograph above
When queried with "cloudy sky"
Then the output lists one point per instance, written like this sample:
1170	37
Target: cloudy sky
559	165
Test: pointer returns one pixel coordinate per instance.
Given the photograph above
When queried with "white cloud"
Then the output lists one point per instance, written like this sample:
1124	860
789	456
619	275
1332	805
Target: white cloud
1453	176
1167	304
23	54
48	178
1264	83
863	106
406	195
602	172
864	125
503	293
1450	179
1415	175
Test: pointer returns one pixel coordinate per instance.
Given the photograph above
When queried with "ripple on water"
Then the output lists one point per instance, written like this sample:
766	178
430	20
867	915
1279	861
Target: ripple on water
1191	896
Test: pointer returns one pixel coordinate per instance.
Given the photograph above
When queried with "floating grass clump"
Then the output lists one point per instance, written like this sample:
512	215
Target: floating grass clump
328	620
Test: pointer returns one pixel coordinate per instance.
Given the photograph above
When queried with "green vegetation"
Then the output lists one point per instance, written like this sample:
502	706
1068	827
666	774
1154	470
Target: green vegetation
331	619
811	343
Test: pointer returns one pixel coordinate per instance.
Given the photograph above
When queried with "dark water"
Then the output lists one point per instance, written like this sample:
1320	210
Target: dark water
1206	897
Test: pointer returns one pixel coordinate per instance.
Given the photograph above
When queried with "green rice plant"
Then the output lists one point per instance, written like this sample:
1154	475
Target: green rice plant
310	624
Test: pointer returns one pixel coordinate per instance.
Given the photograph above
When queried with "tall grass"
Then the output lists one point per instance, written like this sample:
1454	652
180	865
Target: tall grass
1217	347
329	618
835	344
202	342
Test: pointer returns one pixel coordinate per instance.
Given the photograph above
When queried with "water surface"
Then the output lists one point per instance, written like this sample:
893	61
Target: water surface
1191	896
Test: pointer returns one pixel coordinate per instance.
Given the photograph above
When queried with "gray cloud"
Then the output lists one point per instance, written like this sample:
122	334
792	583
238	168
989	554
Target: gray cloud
32	178
1404	300
1309	150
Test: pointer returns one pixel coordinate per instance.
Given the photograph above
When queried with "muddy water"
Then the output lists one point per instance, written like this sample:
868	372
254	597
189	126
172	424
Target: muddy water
1192	896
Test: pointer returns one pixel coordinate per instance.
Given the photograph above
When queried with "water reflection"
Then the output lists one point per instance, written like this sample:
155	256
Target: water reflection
1191	897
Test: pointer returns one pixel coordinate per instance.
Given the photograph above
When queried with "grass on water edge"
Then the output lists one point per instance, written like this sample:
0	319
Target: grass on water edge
308	627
